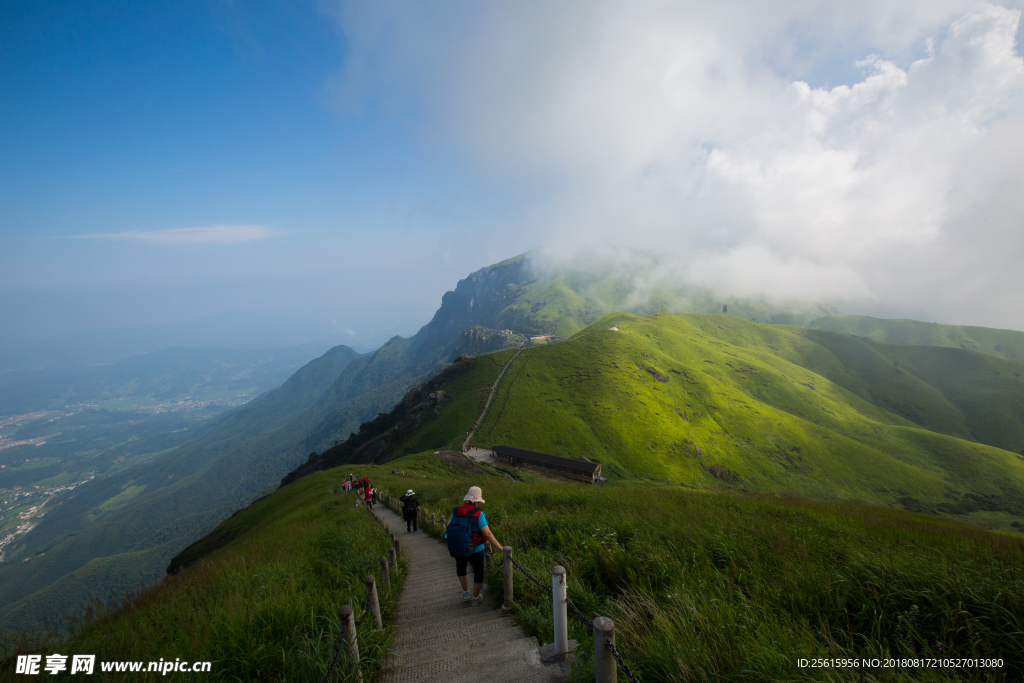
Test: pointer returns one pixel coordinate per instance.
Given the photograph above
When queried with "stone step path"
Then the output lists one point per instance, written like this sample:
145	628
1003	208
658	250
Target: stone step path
441	639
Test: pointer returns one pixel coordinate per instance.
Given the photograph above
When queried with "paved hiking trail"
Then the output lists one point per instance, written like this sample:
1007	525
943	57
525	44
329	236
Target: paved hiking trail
441	639
490	397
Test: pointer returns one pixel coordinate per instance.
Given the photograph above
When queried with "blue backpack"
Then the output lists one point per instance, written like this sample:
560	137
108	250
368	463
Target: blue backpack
460	533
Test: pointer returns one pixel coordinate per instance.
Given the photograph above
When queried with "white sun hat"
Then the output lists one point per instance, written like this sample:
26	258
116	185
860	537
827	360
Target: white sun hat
475	495
409	493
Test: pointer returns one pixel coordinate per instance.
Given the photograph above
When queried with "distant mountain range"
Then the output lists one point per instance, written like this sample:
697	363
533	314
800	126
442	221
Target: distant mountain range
93	543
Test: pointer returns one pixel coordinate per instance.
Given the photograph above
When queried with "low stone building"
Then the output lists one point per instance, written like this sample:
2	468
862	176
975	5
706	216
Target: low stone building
580	470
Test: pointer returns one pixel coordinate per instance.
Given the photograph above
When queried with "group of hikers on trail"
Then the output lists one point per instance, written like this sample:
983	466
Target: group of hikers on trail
367	494
466	534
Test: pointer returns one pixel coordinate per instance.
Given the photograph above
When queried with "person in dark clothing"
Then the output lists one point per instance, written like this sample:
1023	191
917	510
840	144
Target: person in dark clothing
410	510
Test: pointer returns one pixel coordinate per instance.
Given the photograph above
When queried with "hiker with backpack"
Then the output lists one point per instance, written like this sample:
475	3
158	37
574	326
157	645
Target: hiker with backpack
410	508
368	496
466	533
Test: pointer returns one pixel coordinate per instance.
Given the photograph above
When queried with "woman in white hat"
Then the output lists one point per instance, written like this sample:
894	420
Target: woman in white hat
470	551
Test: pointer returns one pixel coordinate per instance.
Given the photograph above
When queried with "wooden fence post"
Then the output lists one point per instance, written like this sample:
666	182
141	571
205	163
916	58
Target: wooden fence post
558	599
605	668
372	604
349	627
385	574
398	546
394	558
507	569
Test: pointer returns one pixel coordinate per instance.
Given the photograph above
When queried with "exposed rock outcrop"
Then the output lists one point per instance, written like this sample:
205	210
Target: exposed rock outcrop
478	340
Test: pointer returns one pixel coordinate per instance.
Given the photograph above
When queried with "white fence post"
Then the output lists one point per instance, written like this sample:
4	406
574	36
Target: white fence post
558	598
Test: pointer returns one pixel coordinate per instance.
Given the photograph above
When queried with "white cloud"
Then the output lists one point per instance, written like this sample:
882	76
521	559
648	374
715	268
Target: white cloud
213	234
688	128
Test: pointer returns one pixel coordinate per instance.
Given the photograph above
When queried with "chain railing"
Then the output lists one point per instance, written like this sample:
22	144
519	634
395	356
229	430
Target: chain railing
618	659
588	622
530	577
337	651
579	615
392	502
346	616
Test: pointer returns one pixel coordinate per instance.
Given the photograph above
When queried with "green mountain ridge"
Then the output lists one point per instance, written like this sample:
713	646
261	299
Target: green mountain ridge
714	400
508	301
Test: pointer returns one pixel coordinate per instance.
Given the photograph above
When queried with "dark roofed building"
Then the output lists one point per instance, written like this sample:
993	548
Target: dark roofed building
582	470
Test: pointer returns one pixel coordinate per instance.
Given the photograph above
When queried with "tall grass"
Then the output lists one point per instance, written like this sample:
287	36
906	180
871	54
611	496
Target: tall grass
262	608
740	587
702	586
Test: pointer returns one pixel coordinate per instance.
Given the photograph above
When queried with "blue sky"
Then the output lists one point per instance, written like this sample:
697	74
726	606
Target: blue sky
172	161
125	117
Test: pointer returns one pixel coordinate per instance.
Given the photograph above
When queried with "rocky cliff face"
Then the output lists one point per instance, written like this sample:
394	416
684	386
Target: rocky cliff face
377	381
477	300
477	340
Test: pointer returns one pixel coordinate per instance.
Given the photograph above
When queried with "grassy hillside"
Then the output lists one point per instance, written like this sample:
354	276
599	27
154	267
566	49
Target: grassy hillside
731	586
259	597
948	390
714	401
665	398
1005	344
702	585
528	300
953	391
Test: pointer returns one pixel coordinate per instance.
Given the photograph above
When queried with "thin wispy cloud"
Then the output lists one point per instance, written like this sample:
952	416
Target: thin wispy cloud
213	234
